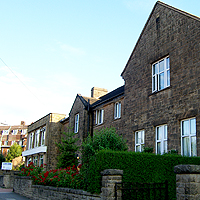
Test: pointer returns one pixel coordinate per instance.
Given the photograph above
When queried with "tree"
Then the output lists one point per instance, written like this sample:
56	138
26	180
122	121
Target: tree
105	138
15	151
2	159
67	149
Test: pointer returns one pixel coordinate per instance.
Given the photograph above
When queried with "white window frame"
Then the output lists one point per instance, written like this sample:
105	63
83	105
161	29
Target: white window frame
117	110
190	135
37	138
31	136
99	116
29	160
42	133
13	142
139	141
158	73
76	124
162	140
5	132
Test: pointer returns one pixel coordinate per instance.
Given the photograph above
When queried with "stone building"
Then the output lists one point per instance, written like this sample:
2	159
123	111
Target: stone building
159	104
42	138
162	88
10	134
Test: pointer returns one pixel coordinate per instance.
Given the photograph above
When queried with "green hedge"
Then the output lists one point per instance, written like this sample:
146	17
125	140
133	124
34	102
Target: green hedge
137	167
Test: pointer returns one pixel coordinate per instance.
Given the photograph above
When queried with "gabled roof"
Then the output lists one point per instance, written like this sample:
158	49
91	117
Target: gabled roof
167	6
110	96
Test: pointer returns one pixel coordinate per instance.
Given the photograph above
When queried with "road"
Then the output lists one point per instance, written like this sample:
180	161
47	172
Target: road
8	194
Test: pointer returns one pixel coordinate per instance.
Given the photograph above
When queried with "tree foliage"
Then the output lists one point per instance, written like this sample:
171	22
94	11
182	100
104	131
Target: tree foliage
15	151
2	159
105	138
67	149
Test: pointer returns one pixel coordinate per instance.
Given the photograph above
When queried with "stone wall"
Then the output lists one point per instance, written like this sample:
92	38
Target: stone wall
24	186
187	182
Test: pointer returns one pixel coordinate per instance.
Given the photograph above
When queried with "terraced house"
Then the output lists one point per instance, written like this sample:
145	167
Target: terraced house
158	106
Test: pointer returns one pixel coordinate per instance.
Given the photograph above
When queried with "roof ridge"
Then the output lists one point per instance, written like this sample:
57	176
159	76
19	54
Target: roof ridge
178	10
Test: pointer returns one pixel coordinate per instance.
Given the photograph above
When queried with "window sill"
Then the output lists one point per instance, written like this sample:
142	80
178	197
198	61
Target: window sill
160	91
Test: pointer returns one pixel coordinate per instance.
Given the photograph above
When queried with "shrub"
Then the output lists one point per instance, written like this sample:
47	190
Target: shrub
137	167
2	159
68	177
105	138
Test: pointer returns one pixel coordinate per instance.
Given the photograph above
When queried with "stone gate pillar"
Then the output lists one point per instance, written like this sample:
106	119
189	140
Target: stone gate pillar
187	181
109	178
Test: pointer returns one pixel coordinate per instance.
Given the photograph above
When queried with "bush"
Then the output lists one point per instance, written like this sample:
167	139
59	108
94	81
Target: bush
137	167
105	138
15	151
69	177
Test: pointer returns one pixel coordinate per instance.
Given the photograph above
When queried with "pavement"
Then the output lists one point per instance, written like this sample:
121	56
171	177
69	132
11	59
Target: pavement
8	194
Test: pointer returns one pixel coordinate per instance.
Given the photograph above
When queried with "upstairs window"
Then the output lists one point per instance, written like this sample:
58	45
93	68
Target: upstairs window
161	139
117	111
43	131
14	132
37	136
139	141
161	75
76	123
188	137
99	116
31	140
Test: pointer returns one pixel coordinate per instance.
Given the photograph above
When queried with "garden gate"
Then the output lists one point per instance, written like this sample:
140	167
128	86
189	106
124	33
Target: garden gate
141	191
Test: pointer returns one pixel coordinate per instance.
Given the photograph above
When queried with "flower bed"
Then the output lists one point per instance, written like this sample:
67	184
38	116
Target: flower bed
69	177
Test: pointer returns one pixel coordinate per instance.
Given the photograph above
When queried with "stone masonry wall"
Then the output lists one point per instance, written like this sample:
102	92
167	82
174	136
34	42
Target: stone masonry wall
166	33
24	186
109	120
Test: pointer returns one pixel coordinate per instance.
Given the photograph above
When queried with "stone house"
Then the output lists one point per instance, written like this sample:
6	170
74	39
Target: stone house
162	89
10	134
41	141
158	106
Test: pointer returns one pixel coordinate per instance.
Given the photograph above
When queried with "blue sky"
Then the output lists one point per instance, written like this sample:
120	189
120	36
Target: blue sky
51	50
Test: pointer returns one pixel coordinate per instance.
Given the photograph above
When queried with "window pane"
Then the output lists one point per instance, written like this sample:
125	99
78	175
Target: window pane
142	137
161	66
161	81
138	148
158	148
168	78
186	146
168	65
119	115
154	83
185	127
159	133
136	138
155	69
193	146
193	126
165	133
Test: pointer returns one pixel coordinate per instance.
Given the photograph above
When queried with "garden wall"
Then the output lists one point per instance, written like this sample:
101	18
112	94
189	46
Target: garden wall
24	186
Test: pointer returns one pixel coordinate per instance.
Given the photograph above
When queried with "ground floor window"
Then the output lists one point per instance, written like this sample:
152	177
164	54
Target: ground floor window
139	141
188	137
161	139
41	160
29	160
35	160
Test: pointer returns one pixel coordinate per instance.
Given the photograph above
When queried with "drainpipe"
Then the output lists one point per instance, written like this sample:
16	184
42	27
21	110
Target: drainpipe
88	125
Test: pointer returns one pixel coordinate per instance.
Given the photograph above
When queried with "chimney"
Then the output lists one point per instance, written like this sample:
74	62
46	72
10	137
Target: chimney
98	92
23	123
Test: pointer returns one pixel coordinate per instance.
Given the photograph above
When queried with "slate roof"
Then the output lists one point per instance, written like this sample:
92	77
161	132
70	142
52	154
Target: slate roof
108	97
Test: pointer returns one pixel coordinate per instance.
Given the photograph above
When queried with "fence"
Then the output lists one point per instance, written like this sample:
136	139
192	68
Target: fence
140	191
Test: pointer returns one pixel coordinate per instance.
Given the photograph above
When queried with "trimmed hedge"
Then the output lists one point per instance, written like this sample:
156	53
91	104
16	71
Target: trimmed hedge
137	167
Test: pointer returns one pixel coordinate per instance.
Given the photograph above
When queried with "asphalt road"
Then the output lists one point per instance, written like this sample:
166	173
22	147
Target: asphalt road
7	194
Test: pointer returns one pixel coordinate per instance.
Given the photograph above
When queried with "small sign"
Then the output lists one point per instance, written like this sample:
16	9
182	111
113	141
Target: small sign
6	166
